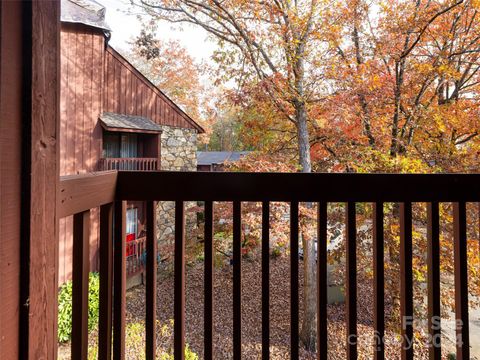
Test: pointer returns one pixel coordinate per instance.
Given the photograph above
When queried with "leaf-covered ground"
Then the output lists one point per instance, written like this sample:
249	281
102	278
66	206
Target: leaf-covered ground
251	320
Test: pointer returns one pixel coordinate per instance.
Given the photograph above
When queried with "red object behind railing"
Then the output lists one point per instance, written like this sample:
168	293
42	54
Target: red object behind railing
135	255
77	197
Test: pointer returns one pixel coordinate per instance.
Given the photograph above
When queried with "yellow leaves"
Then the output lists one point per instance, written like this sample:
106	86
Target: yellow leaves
439	122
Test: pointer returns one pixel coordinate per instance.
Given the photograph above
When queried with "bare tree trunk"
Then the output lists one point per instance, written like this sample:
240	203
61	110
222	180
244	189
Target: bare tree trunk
308	329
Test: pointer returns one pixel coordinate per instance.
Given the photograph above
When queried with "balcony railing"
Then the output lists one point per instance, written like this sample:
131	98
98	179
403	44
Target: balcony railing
138	164
136	256
112	190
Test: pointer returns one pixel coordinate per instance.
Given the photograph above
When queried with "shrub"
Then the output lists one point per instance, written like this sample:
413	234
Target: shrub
135	342
189	355
65	307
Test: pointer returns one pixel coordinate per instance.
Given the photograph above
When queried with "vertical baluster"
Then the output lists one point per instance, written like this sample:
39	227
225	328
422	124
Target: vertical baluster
106	273
151	280
265	280
119	280
294	328
461	280
379	281
433	262
179	304
136	254
81	267
406	285
322	285
351	281
208	288
237	280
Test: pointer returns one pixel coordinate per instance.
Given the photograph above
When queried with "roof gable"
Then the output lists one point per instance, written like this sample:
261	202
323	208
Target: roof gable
174	111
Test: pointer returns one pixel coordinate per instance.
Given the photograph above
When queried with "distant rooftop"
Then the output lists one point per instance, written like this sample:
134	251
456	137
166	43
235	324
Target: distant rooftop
87	12
219	157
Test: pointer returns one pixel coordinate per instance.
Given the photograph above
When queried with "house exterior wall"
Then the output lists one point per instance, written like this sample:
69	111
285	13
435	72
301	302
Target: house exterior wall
95	79
82	52
11	102
127	91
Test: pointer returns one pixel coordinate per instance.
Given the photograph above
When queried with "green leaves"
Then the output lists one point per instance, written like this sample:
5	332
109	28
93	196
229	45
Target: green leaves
65	298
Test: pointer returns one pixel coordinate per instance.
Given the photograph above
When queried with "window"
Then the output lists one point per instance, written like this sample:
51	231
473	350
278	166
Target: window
128	145
120	145
132	224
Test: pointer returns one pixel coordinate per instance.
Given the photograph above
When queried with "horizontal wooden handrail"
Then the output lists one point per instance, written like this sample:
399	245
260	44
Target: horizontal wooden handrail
224	186
78	193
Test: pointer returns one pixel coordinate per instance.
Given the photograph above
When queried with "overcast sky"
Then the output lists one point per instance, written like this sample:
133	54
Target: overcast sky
125	26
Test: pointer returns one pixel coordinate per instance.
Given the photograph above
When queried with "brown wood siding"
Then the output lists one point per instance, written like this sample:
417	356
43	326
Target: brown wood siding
82	61
127	91
95	79
29	85
10	174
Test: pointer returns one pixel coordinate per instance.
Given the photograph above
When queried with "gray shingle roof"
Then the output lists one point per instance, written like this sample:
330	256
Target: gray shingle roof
218	157
130	122
87	12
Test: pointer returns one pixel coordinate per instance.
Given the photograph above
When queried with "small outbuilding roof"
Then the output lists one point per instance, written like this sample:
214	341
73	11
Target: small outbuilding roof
87	12
218	157
118	122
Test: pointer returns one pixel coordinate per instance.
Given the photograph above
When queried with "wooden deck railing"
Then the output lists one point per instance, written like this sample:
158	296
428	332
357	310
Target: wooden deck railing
138	164
266	188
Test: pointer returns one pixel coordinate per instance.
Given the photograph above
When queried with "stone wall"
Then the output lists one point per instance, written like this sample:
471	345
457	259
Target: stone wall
178	153
179	149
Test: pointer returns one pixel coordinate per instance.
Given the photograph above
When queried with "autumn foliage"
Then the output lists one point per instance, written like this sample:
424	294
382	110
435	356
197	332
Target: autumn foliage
363	86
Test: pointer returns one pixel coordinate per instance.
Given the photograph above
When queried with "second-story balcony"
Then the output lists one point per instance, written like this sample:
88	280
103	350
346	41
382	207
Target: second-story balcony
131	163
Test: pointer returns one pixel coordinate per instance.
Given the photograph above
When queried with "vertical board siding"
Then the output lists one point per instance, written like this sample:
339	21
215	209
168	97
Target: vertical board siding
10	181
81	61
129	92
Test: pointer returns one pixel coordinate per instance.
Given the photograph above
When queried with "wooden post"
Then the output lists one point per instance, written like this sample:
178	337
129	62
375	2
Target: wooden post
151	283
106	286
119	281
81	266
41	39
